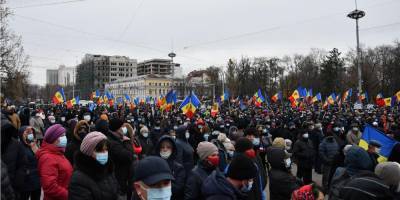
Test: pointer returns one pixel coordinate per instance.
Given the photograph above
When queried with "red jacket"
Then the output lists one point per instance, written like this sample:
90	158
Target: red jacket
55	172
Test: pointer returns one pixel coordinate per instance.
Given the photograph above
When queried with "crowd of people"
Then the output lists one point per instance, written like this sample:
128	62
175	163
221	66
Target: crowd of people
147	153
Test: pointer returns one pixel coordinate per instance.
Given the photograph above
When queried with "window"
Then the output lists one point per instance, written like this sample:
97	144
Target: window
149	84
150	92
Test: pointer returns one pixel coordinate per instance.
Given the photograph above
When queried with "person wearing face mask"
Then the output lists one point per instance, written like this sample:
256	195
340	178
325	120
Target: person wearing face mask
328	150
281	181
354	135
36	122
137	148
31	188
80	131
55	170
316	136
93	176
145	141
156	132
304	153
208	162
235	184
184	150
152	180
166	149
49	121
121	153
373	150
245	147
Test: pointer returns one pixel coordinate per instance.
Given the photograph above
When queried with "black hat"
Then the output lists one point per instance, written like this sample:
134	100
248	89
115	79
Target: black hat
243	144
152	170
250	131
115	124
242	168
375	143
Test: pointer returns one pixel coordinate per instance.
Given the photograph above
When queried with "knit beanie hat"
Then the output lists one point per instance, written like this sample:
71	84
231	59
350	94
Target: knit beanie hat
205	149
115	124
389	172
242	168
243	144
53	133
90	142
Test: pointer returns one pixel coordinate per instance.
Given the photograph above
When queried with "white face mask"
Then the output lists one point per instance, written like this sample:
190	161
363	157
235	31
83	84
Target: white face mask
145	135
42	116
187	135
86	117
164	193
165	154
305	136
288	163
124	130
52	121
63	119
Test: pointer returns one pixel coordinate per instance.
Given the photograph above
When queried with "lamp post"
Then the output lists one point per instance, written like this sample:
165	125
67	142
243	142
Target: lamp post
357	14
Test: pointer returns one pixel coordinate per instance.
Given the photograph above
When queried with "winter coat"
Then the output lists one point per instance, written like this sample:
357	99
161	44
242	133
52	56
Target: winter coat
91	180
217	187
121	153
38	125
14	118
353	138
303	152
282	182
366	186
195	181
16	160
147	145
178	171
32	179
328	150
55	172
185	154
7	192
74	145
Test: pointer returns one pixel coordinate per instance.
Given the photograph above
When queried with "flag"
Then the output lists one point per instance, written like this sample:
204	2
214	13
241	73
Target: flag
363	96
214	110
331	99
302	91
92	106
136	101
241	105
170	97
276	97
59	96
127	97
189	105
295	95
398	96
326	104
387	143
225	96
317	98
380	101
72	102
258	98
100	100
347	94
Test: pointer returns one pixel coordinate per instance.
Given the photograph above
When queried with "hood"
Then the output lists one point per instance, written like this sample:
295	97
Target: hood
357	159
47	148
157	147
102	126
78	126
216	184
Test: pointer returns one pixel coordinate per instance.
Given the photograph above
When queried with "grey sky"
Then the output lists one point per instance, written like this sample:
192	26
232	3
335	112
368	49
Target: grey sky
203	32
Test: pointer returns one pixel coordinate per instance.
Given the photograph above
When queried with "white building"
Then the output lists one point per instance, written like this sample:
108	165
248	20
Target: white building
63	76
52	77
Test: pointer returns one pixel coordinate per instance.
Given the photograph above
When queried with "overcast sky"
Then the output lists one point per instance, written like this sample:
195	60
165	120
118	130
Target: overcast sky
201	32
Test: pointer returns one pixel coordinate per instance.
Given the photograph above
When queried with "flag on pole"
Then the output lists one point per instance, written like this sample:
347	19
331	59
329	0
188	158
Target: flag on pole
276	97
258	98
387	143
347	95
59	96
317	98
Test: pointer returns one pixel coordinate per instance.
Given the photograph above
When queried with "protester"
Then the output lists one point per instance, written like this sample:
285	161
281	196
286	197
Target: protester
373	150
328	149
184	150
36	121
153	182
14	157
303	152
166	149
13	116
55	171
31	188
308	192
93	176
208	162
80	131
235	185
121	153
389	172
145	141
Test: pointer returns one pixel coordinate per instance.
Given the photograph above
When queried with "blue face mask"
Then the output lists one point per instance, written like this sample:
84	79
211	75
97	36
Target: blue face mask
206	137
247	188
256	141
30	137
159	193
102	158
63	141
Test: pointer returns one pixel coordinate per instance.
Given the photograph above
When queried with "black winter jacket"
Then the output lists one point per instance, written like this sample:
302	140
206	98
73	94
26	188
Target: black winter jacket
216	187
303	152
91	180
195	181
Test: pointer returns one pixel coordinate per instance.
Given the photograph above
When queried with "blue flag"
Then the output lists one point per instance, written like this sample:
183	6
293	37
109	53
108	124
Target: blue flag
387	143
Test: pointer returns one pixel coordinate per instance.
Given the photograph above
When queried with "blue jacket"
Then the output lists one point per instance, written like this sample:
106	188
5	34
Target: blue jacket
328	149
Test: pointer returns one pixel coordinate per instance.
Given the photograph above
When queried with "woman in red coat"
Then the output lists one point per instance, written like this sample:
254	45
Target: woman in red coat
54	169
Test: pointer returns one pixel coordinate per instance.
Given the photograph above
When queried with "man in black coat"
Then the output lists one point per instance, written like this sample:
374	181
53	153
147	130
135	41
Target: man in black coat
234	186
303	152
184	150
121	153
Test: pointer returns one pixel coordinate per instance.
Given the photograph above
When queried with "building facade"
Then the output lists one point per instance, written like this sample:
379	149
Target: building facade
144	86
162	67
52	77
95	71
200	82
66	76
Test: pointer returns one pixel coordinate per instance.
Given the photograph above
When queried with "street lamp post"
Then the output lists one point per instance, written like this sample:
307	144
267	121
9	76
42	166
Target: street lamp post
357	14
